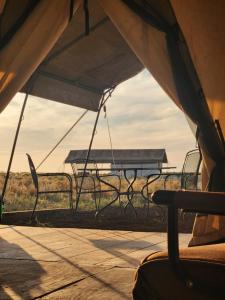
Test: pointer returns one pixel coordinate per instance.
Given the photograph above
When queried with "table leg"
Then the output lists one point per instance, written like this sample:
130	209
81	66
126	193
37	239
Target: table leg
113	188
130	190
148	198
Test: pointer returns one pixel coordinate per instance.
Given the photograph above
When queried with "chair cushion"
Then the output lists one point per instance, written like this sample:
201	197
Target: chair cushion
204	266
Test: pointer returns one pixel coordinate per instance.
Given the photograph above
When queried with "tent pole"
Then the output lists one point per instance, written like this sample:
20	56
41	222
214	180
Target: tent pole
62	138
88	154
11	156
102	103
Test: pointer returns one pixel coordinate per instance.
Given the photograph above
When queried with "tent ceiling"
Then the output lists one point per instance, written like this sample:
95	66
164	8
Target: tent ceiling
79	68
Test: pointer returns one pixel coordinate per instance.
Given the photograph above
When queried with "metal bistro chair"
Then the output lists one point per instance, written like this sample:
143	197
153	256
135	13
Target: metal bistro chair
190	171
89	186
187	179
35	178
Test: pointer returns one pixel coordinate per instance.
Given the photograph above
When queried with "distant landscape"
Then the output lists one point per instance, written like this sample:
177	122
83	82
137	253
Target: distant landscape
21	192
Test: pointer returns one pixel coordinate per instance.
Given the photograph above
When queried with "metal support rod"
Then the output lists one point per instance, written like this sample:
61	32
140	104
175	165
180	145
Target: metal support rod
12	155
62	138
109	133
102	103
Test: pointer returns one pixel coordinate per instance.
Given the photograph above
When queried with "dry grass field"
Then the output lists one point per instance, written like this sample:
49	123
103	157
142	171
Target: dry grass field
21	192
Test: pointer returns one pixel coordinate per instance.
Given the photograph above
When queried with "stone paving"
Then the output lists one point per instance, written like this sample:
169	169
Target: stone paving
71	263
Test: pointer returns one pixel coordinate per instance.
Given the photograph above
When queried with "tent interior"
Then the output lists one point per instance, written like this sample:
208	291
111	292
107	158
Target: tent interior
75	51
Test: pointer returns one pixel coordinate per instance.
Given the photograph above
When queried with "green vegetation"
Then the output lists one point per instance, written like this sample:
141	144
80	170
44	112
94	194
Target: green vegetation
21	192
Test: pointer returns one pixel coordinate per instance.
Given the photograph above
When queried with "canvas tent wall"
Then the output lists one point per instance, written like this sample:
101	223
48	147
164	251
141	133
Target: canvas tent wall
180	42
70	68
174	39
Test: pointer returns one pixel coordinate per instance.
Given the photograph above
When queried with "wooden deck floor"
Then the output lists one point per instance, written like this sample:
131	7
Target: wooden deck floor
70	263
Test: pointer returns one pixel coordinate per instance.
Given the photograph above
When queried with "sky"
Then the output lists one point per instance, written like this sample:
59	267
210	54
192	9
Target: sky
140	115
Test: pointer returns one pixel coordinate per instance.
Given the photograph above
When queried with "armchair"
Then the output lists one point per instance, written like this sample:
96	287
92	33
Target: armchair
191	273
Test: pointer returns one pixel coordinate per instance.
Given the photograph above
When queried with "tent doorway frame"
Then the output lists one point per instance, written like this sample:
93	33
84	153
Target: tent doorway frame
105	96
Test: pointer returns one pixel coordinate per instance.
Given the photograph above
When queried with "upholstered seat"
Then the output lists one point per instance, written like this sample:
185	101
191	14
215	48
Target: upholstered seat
196	273
205	265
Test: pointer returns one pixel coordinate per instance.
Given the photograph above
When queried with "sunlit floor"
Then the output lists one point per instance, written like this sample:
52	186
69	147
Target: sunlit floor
70	263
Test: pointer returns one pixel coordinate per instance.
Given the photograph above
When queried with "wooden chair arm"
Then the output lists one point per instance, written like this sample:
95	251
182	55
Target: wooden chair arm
193	201
201	202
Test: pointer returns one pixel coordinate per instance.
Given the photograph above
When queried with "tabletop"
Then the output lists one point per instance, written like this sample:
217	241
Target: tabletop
126	169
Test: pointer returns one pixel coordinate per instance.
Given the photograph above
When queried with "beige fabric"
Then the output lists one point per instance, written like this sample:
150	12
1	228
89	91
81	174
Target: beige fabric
204	266
11	13
147	43
79	68
211	253
203	25
209	228
2	5
30	45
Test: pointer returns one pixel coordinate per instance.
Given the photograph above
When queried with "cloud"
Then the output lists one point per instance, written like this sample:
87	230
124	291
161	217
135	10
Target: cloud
140	114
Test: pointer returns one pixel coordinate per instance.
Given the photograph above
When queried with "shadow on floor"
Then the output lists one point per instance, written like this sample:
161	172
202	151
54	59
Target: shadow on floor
117	247
17	275
86	273
85	219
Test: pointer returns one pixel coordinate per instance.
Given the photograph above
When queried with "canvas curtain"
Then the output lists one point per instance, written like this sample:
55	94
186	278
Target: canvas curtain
30	44
2	5
161	56
203	25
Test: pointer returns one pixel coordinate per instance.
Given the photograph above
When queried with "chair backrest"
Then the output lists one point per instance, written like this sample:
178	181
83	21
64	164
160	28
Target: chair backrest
33	171
88	181
190	169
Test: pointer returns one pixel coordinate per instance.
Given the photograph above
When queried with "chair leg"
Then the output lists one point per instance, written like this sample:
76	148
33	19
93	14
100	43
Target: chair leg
98	196
35	205
76	205
99	200
97	203
148	207
121	206
70	200
148	203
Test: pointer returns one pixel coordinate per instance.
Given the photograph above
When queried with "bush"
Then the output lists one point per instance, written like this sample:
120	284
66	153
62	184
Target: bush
20	193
